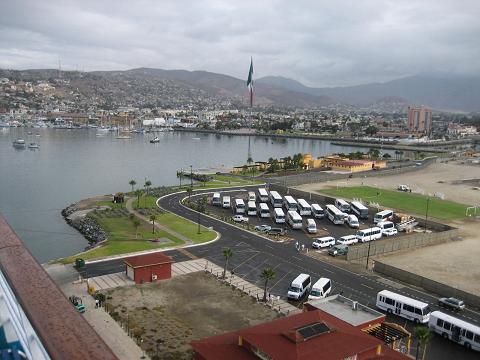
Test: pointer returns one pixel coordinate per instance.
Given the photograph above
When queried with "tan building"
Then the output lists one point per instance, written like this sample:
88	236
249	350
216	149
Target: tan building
344	164
419	120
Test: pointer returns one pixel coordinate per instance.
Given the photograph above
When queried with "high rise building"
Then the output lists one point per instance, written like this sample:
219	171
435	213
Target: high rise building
419	120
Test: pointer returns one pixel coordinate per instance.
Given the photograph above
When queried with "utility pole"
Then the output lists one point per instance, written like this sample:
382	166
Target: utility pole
368	255
426	214
191	177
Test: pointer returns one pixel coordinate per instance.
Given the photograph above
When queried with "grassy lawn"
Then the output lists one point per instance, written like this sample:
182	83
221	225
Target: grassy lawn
405	202
111	204
186	228
146	202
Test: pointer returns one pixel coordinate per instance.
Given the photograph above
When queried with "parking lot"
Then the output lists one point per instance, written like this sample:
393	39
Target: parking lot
324	226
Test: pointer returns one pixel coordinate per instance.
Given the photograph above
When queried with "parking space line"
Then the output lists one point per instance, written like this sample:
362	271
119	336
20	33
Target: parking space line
369	287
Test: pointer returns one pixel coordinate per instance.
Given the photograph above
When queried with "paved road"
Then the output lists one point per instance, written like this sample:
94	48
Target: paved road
253	253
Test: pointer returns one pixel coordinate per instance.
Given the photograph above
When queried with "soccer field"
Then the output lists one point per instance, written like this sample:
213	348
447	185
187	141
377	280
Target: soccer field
405	202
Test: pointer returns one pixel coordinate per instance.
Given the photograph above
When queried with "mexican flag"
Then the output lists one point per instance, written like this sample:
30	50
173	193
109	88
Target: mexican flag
250	81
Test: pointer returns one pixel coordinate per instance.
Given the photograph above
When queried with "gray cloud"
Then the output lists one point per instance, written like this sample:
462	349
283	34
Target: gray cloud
319	43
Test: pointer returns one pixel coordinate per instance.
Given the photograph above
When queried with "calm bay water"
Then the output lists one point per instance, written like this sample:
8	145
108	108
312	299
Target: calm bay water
35	185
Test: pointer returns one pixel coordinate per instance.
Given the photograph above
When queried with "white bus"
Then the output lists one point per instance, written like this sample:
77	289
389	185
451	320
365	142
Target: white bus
276	199
226	202
262	195
383	216
317	211
359	209
403	306
263	210
299	286
216	199
304	207
334	215
457	330
289	203
369	234
252	196
279	216
294	220
342	205
251	208
239	206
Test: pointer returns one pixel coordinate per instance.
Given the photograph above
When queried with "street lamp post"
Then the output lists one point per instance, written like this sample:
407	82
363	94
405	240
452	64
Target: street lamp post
426	214
368	255
191	176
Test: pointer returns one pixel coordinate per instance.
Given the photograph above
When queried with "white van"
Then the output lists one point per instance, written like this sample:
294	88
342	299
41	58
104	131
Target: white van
299	286
251	208
262	195
263	210
323	242
311	226
317	211
347	240
216	200
352	221
320	289
226	202
252	196
383	216
279	216
239	206
385	225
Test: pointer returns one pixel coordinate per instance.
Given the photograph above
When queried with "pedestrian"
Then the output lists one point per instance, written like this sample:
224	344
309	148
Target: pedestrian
96	303
296	245
303	247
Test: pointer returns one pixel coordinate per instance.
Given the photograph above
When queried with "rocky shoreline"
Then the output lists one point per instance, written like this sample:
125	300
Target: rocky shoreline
88	227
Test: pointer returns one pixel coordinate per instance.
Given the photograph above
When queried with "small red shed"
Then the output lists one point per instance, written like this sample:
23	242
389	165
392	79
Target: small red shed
148	267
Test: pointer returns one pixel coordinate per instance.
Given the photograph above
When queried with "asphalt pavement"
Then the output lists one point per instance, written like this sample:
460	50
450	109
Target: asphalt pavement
253	253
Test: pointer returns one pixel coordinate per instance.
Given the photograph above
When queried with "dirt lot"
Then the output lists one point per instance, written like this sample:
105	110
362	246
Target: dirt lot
174	312
455	263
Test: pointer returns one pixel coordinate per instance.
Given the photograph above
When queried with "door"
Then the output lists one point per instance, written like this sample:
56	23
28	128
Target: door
398	307
455	333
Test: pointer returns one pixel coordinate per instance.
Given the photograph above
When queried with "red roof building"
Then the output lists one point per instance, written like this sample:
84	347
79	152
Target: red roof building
309	335
148	267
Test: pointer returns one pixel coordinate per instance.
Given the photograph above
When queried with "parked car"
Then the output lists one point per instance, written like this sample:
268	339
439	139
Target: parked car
390	232
338	250
263	228
347	240
352	221
403	188
276	231
451	303
323	242
239	218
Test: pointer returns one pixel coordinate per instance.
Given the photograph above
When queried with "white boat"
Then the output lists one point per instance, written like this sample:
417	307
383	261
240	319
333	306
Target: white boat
155	140
124	137
33	146
19	143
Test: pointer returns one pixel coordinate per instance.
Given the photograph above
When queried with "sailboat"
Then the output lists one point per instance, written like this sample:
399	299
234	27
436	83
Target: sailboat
124	133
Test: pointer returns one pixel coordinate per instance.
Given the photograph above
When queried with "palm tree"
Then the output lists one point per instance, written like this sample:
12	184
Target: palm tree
136	224
152	219
227	253
147	185
138	193
132	183
423	336
189	191
266	275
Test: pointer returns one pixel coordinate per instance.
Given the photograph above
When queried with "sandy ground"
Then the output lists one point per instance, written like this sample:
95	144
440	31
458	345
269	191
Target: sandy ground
456	263
172	313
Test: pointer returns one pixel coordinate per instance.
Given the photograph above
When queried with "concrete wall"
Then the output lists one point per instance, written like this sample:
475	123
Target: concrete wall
391	244
425	283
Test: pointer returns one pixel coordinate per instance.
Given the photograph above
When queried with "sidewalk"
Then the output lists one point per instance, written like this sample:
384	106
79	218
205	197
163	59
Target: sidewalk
109	330
130	209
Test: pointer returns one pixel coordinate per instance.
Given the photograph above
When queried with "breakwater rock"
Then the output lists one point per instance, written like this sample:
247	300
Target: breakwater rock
87	226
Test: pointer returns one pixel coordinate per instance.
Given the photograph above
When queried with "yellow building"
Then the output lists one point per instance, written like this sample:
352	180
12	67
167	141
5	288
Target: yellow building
345	164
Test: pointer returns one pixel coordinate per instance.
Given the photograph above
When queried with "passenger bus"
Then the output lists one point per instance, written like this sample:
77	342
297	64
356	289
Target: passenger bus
216	199
317	211
457	330
226	202
262	195
264	210
411	309
278	216
304	207
342	205
294	220
239	206
276	199
289	203
359	209
251	208
335	215
383	216
370	234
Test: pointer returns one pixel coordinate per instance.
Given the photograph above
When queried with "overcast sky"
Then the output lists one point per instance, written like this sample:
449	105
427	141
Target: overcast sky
320	43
